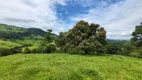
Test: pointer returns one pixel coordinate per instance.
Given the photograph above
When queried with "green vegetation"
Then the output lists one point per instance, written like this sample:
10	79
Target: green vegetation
69	67
8	44
10	28
83	37
88	55
13	32
137	36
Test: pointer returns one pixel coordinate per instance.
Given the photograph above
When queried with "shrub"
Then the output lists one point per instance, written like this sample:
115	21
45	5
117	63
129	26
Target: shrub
5	52
51	48
27	50
136	53
42	49
34	51
101	50
112	49
127	49
16	50
75	51
46	48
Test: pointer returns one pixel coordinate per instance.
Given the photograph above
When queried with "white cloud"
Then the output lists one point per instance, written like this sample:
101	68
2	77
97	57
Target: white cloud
119	19
89	3
31	13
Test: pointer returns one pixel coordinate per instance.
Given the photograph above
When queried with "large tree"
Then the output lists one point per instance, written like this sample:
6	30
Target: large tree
137	36
85	37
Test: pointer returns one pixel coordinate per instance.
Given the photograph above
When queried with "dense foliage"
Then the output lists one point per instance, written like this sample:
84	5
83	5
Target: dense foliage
82	38
111	48
137	36
85	37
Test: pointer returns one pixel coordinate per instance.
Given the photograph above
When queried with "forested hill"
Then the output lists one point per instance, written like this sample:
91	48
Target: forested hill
36	31
117	42
14	32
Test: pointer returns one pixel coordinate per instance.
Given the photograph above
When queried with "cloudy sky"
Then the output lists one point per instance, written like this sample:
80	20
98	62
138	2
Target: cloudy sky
118	17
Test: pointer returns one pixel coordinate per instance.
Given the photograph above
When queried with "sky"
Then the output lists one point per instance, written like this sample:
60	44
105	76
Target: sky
118	17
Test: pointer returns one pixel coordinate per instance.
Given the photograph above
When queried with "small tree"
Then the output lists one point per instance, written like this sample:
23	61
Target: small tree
48	37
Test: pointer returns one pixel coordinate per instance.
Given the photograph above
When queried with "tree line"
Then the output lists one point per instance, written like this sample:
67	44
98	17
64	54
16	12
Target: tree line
85	38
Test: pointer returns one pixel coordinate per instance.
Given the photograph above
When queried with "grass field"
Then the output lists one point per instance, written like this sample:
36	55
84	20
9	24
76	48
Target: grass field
8	44
69	67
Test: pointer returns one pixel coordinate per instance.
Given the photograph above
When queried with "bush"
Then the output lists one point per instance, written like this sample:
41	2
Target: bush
46	49
112	49
16	50
27	50
34	51
51	48
42	49
5	52
75	51
136	53
101	50
127	49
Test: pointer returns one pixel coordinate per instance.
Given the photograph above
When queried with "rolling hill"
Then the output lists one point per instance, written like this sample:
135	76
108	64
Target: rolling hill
12	36
14	32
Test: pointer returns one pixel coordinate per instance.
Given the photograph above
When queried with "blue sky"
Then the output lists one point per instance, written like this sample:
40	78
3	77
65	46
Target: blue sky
75	7
118	17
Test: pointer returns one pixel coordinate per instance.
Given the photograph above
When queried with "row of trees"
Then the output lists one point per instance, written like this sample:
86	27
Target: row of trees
13	35
82	38
85	38
88	38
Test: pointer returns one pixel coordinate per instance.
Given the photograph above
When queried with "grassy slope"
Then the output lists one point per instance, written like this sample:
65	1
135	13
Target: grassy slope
36	34
10	28
69	67
31	39
8	44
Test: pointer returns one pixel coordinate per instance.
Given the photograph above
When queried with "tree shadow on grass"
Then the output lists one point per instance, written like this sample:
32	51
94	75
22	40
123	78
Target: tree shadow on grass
89	54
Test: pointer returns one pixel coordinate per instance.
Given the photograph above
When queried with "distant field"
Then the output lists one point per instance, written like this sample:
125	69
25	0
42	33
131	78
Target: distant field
11	44
8	44
69	67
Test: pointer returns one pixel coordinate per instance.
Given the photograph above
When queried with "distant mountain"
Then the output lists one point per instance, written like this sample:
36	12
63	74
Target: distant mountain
117	42
36	31
14	32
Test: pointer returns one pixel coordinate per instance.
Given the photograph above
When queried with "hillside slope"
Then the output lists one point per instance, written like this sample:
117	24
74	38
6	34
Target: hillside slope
8	44
69	67
13	32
